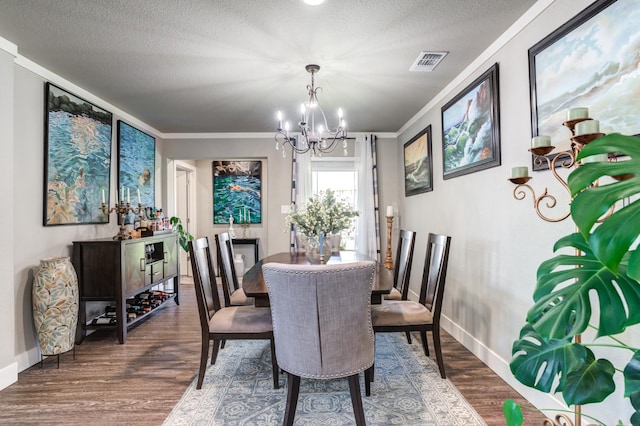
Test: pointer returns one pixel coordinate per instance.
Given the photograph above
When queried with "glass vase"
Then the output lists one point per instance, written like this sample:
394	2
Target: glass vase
314	254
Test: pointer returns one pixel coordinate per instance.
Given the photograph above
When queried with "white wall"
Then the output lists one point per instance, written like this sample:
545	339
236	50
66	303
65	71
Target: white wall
8	365
497	241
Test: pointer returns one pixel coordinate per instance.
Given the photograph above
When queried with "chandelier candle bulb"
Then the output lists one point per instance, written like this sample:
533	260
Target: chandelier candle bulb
539	141
520	171
389	211
587	127
577	113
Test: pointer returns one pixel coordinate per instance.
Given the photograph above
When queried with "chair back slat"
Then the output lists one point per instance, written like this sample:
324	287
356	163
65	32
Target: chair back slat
204	280
225	256
322	317
435	274
404	260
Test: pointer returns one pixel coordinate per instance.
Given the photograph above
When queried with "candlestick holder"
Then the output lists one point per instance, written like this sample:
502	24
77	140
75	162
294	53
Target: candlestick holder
245	227
122	209
554	161
388	261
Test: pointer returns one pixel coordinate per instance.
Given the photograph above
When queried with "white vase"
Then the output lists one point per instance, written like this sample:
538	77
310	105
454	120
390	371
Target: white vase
55	305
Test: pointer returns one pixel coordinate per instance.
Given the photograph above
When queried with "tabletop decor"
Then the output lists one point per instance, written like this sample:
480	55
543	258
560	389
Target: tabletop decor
237	192
77	160
319	218
136	164
418	164
471	127
604	78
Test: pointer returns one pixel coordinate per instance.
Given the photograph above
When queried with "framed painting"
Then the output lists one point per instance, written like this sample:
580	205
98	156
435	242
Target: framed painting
418	164
590	61
237	191
136	167
471	127
77	160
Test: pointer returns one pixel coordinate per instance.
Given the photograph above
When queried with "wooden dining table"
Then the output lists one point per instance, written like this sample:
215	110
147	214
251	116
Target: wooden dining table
254	286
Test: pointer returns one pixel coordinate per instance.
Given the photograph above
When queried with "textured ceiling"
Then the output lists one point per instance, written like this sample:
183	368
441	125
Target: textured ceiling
200	66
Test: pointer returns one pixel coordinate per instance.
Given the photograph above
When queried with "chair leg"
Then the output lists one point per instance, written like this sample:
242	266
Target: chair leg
425	344
214	352
368	373
356	399
222	344
204	354
293	389
436	344
274	365
408	333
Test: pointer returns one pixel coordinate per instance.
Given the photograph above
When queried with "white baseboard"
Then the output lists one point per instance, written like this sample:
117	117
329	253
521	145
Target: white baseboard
540	400
8	375
28	358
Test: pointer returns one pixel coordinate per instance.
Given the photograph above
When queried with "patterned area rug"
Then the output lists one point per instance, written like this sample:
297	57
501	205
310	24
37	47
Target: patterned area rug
408	390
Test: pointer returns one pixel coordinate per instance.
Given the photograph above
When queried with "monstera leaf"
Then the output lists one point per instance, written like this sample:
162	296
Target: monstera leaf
612	239
562	306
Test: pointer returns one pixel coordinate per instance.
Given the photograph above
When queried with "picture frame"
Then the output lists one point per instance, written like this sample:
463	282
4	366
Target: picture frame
136	167
471	127
569	68
418	164
77	160
237	191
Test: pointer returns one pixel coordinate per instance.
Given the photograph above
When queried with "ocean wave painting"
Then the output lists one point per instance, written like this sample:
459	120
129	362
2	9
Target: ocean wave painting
136	165
78	159
237	191
594	65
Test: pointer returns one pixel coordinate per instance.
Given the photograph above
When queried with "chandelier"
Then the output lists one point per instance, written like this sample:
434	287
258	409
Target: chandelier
315	134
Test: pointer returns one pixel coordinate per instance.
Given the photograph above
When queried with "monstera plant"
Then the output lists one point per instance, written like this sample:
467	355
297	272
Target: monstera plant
604	270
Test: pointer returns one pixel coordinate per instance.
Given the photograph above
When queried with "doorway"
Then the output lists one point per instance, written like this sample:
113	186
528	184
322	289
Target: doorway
185	178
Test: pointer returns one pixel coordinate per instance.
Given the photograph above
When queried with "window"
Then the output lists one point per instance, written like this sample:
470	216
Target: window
341	176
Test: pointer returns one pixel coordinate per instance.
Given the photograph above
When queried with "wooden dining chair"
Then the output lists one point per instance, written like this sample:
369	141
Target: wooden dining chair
322	325
402	271
424	315
228	323
233	294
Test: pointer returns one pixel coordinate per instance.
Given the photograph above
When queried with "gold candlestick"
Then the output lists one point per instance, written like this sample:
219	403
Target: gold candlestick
122	209
388	261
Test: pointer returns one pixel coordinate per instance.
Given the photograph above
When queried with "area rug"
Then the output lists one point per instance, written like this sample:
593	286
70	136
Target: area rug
408	390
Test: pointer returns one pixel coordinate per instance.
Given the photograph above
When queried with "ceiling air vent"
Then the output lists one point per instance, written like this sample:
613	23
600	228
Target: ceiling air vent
427	61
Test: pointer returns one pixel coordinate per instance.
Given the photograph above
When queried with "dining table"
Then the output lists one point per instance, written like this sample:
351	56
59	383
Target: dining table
254	286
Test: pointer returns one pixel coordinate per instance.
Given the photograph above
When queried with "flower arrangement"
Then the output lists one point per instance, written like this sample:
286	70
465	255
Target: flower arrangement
322	213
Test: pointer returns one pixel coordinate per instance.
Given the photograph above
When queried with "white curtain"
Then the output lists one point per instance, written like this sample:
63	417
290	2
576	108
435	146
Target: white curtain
367	236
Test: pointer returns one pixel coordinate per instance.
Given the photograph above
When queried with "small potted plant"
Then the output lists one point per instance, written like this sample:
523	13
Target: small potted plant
183	235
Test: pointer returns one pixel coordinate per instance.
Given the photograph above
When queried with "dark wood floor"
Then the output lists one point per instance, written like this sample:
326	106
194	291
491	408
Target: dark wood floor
138	383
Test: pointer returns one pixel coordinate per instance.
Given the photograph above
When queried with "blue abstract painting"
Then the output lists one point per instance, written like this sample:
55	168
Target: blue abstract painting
77	159
237	188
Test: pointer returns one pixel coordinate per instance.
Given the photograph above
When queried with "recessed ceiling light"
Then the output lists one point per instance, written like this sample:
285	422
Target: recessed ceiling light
313	2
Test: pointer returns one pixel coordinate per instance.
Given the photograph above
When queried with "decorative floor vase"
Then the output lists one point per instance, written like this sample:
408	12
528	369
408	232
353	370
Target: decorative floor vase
55	305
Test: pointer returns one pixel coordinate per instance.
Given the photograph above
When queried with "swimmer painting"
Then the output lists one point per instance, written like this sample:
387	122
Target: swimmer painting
77	159
136	165
237	191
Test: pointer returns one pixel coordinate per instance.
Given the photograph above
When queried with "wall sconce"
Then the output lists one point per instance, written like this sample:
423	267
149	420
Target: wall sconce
583	130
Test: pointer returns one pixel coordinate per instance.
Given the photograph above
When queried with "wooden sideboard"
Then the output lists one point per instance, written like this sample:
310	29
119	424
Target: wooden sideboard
118	270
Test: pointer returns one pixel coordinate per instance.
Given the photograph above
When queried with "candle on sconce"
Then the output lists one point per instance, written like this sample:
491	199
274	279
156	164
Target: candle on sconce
389	211
598	158
577	113
139	199
587	127
128	196
103	199
540	141
519	172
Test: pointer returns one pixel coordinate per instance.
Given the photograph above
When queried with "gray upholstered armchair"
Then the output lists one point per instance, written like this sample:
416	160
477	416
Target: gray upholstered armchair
322	325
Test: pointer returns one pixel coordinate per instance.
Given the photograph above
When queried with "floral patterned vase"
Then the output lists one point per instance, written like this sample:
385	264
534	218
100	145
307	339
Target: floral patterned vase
55	305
